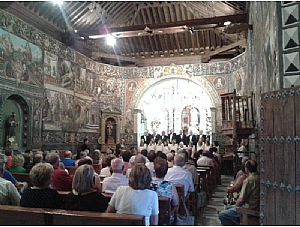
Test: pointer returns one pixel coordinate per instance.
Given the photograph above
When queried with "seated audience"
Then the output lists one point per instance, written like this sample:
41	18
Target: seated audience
84	196
126	155
137	198
191	168
68	161
41	195
27	158
17	164
9	159
161	155
136	159
89	161
144	152
97	157
162	187
37	158
249	196
151	145
151	156
240	177
178	175
110	184
106	171
61	180
204	160
82	155
9	194
170	159
142	146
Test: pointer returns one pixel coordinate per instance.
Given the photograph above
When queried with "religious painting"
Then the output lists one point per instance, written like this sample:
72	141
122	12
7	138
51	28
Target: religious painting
20	60
131	86
238	82
219	82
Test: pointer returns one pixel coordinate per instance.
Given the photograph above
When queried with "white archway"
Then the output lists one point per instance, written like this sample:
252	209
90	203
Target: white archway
195	92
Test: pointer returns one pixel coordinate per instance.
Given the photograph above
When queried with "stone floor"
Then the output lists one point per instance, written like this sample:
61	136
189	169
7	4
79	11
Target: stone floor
209	215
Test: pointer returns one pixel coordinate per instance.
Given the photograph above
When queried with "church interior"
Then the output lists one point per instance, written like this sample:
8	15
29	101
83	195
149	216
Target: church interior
229	70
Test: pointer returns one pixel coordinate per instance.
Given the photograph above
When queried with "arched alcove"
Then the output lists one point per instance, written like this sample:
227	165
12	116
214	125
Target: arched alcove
163	100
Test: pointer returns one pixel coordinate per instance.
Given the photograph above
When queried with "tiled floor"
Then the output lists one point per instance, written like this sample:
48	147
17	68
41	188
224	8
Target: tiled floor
209	215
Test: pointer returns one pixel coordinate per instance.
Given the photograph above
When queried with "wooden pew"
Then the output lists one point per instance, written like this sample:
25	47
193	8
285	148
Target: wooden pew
63	194
71	169
23	177
250	217
15	215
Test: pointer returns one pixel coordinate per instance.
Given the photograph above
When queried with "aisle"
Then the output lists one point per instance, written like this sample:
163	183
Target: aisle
209	215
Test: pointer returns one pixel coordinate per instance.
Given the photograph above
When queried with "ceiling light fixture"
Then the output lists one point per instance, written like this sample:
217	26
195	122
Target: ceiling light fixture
58	2
110	40
95	36
227	23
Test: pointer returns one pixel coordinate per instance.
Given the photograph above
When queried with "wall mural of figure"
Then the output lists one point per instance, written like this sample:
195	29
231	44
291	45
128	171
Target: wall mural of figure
219	82
110	131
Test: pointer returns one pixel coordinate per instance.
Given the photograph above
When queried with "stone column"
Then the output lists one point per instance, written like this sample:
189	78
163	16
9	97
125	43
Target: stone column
213	111
136	126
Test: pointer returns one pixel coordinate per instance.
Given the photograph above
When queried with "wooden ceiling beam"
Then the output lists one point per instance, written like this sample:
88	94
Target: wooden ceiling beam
170	27
241	43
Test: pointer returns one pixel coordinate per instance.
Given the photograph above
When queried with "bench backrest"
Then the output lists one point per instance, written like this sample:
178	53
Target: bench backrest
23	177
15	215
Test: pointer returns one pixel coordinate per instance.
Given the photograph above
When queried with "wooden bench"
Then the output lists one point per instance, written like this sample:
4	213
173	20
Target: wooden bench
71	169
249	217
23	177
15	215
166	211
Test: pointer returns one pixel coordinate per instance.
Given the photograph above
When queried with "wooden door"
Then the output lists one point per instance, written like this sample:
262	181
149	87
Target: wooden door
278	158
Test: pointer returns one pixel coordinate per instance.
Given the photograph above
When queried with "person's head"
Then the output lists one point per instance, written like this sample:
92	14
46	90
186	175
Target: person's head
108	160
61	165
170	157
8	152
165	143
68	154
85	161
41	175
160	167
83	154
181	144
191	132
126	155
200	152
3	159
133	151
27	157
151	141
83	180
117	165
53	159
146	132
173	141
151	156
140	159
207	141
205	153
18	160
179	160
159	142
173	152
213	150
122	141
38	157
140	177
200	141
162	155
144	152
244	160
85	141
96	156
251	166
163	133
191	144
171	131
196	155
180	131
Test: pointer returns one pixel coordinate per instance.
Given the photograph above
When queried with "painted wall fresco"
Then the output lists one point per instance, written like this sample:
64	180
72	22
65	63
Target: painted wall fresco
20	61
77	88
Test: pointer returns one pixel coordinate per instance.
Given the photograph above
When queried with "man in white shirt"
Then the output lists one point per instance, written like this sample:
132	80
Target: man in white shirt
204	160
178	175
110	184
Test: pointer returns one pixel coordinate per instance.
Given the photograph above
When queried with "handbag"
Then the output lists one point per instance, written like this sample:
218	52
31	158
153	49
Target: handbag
185	220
